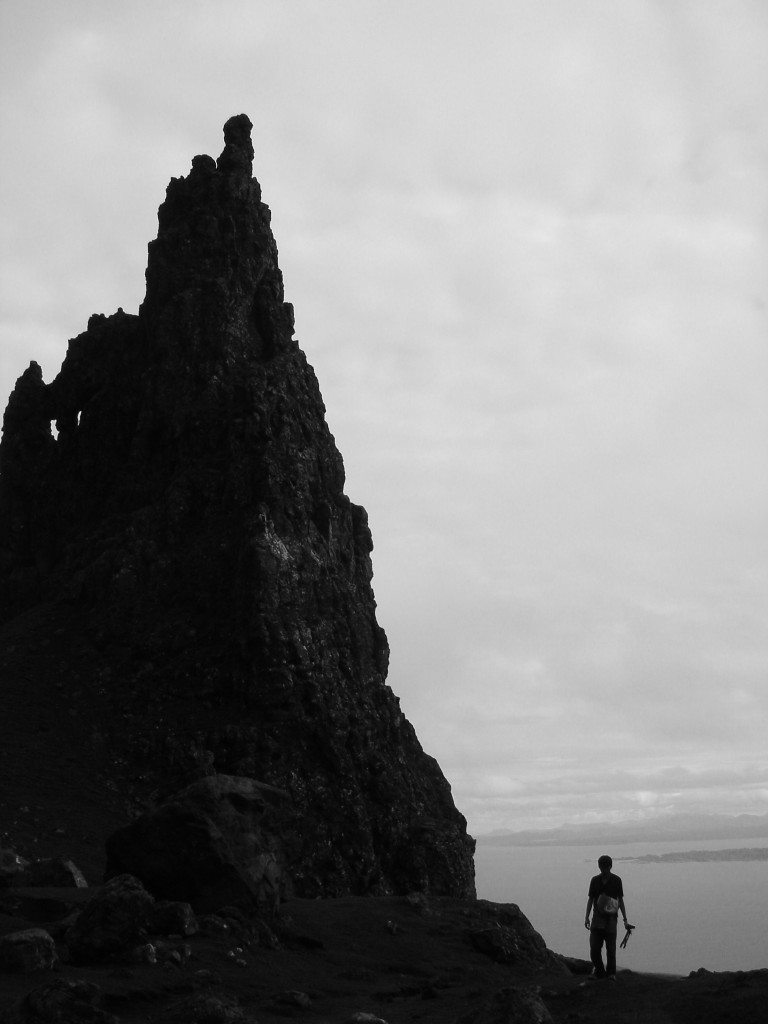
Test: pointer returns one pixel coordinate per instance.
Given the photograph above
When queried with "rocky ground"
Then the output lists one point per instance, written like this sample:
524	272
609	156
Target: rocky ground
396	960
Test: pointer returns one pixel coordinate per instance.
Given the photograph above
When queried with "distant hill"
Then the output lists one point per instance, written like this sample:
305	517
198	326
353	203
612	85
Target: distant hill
669	828
686	856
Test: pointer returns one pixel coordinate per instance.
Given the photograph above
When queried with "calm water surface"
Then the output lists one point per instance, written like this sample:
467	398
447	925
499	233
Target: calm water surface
688	915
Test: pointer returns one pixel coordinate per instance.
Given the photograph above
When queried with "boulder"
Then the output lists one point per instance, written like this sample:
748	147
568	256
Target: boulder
502	932
112	923
510	1006
207	1008
62	1001
499	943
29	950
206	846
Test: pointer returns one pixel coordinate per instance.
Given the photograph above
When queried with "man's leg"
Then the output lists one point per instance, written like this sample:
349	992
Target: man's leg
610	952
596	939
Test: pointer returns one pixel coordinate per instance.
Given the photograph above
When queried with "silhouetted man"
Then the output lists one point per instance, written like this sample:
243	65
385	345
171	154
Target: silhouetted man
606	898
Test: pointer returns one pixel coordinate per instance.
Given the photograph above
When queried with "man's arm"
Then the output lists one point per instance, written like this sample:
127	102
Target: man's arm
623	909
590	901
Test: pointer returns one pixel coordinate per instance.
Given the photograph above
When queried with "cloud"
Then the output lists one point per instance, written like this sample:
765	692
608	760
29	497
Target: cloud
546	793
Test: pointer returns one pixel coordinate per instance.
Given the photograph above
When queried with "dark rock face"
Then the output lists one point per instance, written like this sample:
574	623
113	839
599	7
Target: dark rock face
112	921
208	845
190	512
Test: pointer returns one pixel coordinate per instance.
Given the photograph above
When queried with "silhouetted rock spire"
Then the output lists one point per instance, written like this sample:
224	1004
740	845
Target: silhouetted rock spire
190	511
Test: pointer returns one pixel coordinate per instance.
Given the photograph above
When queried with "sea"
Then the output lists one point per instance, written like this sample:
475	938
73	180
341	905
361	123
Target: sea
687	914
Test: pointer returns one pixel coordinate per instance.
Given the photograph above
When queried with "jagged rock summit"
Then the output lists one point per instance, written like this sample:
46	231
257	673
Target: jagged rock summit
184	540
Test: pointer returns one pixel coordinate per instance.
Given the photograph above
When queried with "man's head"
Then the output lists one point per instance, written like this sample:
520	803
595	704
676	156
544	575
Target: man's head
604	863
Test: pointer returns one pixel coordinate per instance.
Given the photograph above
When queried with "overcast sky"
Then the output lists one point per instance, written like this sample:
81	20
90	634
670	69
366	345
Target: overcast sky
527	244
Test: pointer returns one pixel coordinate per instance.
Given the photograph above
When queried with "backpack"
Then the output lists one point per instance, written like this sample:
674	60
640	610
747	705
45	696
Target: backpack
607	905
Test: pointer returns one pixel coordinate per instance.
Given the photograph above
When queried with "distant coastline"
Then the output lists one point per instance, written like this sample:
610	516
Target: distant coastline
690	828
753	853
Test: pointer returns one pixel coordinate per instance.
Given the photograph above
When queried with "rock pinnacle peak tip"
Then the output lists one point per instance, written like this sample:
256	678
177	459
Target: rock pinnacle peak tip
237	129
238	148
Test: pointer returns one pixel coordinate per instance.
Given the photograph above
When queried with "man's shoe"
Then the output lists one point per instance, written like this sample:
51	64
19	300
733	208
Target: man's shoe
611	977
